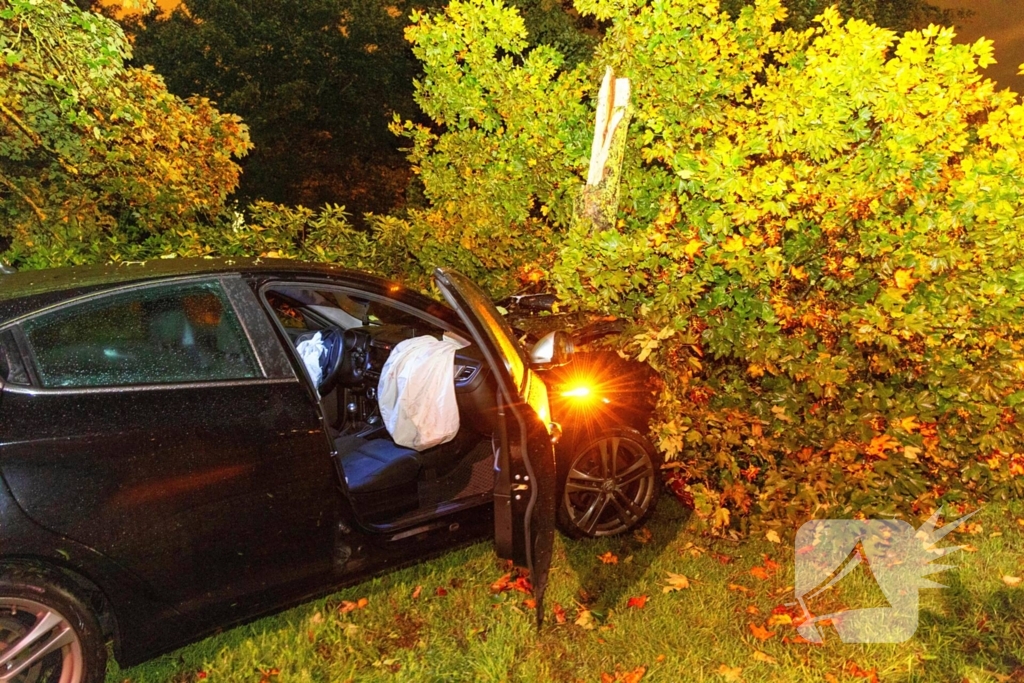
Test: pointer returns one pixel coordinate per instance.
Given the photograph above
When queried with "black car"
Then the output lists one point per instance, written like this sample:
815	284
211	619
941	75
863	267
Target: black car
168	468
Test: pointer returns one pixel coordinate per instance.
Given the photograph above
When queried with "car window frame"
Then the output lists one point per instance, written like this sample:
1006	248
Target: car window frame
350	290
229	284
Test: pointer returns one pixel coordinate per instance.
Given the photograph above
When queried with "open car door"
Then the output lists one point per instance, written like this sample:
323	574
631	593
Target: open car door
525	488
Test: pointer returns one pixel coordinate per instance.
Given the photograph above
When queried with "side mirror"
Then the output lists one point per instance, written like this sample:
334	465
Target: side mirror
553	349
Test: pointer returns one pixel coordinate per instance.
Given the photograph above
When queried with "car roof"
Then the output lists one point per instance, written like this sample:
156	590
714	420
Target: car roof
29	290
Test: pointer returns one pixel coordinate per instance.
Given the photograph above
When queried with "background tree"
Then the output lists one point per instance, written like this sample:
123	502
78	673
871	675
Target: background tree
317	82
93	153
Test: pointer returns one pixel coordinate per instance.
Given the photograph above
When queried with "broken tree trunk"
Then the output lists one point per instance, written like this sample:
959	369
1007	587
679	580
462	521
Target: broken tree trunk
598	204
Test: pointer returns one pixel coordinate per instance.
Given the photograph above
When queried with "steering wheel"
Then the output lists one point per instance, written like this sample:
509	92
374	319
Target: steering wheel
331	366
355	355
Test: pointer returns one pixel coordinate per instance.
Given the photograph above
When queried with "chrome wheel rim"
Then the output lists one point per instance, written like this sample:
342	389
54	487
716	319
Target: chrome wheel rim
610	486
37	644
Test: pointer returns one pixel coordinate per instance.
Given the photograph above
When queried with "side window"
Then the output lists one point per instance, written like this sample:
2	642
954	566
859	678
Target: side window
156	335
336	309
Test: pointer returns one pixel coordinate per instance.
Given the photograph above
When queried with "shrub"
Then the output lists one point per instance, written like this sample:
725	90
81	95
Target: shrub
92	151
819	243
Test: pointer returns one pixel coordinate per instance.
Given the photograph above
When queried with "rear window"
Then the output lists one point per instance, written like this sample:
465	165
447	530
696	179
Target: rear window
156	335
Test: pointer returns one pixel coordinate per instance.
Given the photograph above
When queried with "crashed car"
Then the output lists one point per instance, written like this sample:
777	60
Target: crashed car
170	464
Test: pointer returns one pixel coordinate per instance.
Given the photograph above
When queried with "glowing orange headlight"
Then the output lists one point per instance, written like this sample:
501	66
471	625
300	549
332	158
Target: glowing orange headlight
581	392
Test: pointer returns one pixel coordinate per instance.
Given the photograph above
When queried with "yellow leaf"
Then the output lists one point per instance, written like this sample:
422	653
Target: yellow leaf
762	657
910	424
776	619
721	518
755	370
734	244
676	582
798	273
585	620
904	278
911	452
1011	581
692	247
731	673
773	536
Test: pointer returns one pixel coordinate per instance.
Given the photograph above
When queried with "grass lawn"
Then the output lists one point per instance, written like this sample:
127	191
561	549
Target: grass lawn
440	621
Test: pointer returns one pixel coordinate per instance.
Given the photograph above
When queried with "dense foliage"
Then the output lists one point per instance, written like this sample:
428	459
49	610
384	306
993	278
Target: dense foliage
819	244
93	154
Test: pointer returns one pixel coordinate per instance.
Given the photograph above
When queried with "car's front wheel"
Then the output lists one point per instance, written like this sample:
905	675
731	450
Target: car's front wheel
47	634
611	485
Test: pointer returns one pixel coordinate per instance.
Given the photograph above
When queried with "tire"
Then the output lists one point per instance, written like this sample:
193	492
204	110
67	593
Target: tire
589	505
69	647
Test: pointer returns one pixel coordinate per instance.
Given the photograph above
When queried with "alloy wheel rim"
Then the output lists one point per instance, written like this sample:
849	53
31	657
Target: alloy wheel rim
35	639
610	486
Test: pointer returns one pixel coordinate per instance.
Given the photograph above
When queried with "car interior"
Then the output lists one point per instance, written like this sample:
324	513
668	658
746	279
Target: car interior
390	485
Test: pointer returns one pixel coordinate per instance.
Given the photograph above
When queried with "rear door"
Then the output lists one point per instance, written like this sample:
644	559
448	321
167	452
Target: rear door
525	490
160	430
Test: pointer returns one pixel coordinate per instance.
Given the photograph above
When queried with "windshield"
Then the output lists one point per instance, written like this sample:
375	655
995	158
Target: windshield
494	326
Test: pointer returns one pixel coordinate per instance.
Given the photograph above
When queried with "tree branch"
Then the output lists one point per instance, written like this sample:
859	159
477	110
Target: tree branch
28	200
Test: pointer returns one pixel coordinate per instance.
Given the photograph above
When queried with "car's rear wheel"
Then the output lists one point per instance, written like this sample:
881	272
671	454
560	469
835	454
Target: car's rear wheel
47	634
611	486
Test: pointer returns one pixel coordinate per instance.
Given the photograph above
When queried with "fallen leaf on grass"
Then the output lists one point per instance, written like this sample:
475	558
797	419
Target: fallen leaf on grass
348	606
1011	581
733	674
608	558
633	676
695	551
530	603
559	613
738	588
857	672
723	558
643	535
637	602
317	618
760	632
752	609
416	592
585	620
798	640
440	592
519	583
265	676
762	657
759	573
776	619
676	582
773	536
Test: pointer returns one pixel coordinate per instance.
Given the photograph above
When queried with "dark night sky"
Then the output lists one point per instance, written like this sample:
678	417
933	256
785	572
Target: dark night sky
1001	21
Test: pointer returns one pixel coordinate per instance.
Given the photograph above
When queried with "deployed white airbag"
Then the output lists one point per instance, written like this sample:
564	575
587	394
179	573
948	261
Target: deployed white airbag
416	392
311	351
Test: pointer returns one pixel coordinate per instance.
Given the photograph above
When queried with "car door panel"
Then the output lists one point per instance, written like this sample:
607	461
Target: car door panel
208	491
525	490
